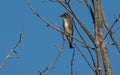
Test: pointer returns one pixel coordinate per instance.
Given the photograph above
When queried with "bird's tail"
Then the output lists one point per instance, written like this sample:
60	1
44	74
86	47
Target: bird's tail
70	45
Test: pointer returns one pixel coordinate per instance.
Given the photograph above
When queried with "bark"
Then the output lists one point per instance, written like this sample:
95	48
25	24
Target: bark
99	41
98	34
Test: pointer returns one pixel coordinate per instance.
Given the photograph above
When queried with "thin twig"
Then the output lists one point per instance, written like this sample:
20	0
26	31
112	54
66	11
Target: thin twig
72	62
56	59
90	9
14	56
93	68
116	20
116	29
109	31
67	1
42	71
48	69
12	50
111	35
81	2
85	44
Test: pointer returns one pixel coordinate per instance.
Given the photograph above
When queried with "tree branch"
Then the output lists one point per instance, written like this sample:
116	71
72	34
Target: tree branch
12	50
93	68
72	62
111	35
90	9
86	46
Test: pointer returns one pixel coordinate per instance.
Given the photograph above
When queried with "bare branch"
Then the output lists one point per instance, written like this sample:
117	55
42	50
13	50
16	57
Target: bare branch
111	35
116	29
14	56
90	9
85	44
56	59
36	13
93	68
110	31
82	2
42	71
116	20
50	68
72	62
12	50
67	1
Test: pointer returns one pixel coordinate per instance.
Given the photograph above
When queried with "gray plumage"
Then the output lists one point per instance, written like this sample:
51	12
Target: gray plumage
68	27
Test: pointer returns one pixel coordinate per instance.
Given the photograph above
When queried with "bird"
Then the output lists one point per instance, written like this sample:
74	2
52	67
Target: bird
68	27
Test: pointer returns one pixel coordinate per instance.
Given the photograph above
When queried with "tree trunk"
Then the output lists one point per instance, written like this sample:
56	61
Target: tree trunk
99	41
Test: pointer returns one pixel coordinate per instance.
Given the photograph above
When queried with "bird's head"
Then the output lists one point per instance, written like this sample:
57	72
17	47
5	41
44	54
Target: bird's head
65	15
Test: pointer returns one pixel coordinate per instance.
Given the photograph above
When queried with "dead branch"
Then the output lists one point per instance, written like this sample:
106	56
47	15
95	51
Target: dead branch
90	9
116	20
50	68
72	62
12	50
86	46
93	68
111	35
56	59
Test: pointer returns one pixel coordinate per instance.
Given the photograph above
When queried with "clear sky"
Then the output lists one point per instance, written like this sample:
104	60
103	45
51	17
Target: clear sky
38	50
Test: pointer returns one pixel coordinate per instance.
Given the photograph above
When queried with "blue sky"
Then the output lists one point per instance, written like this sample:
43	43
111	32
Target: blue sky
37	49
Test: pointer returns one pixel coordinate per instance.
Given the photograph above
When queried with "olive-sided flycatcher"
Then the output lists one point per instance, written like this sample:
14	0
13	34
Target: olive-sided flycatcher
68	27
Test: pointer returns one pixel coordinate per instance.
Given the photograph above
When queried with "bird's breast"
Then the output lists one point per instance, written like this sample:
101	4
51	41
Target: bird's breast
66	23
66	26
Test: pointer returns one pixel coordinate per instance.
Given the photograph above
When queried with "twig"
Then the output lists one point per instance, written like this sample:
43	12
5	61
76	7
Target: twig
110	30
14	57
67	1
90	9
116	29
84	57
13	49
72	62
48	69
85	44
116	20
42	71
111	35
81	2
56	59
